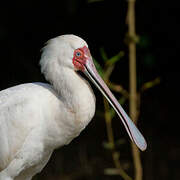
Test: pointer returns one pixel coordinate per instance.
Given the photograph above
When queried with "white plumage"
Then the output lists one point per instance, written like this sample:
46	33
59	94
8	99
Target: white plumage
36	118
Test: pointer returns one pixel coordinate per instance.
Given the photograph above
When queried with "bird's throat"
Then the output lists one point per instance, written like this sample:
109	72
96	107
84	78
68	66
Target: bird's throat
75	92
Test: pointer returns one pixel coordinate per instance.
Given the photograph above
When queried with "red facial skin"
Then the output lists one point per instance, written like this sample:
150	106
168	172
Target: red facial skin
80	61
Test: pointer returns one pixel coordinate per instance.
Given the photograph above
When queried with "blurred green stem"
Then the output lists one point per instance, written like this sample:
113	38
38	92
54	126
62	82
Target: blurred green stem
115	154
108	120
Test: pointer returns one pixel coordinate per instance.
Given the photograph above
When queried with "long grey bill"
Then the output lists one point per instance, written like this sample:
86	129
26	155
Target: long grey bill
132	130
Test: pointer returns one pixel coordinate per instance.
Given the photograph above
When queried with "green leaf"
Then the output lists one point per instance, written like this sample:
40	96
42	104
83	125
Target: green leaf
108	72
115	58
103	54
150	84
98	67
129	38
108	145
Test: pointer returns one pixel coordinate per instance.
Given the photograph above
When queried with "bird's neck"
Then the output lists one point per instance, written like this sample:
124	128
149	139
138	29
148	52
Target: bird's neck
74	91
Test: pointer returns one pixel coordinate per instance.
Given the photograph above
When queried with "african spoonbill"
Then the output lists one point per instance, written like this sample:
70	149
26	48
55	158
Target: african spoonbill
36	118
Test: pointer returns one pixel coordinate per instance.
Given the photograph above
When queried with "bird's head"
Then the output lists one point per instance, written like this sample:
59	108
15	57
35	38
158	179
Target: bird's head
69	50
72	52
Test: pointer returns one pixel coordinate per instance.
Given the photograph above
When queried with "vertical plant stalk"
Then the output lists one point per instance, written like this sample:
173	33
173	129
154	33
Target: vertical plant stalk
115	154
132	83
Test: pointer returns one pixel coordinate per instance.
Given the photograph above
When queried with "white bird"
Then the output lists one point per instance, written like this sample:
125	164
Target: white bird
36	118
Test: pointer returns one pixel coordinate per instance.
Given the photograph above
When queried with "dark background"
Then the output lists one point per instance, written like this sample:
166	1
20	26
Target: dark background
26	26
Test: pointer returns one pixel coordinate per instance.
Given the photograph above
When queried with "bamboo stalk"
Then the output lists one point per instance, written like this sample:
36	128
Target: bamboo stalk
132	84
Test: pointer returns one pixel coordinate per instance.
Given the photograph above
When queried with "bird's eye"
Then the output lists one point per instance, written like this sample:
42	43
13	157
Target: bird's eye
78	54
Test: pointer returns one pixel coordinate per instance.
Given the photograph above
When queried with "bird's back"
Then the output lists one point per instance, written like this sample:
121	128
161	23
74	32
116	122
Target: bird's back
20	111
